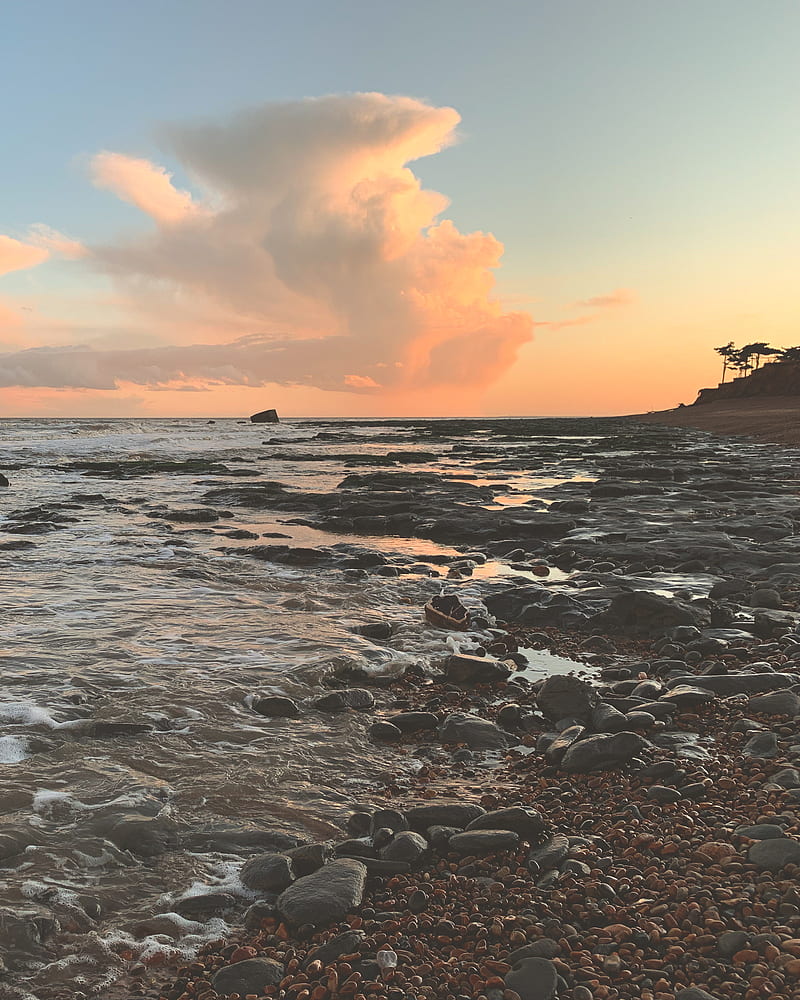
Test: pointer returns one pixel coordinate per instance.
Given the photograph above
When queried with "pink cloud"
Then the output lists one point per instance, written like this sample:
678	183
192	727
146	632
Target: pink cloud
144	184
17	256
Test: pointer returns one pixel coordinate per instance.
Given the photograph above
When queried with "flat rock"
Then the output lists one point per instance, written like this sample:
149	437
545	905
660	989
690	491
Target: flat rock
461	668
454	814
663	794
270	872
528	824
145	837
477	733
414	722
687	696
602	753
761	745
605	718
760	831
252	976
533	979
326	896
483	841
405	846
773	855
787	777
736	683
775	703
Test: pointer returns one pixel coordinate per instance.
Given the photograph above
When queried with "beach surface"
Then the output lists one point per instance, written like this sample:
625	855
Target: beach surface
775	419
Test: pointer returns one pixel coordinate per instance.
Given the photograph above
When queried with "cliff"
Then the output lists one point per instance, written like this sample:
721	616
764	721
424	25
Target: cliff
778	378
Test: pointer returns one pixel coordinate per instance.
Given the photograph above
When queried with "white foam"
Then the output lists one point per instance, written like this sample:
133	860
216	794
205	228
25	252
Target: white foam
26	713
13	749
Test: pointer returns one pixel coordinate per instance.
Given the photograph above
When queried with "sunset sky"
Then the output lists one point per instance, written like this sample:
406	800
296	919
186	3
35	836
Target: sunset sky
356	208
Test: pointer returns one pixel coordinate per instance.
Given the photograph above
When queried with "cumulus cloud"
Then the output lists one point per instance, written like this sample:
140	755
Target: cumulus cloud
313	238
17	256
620	297
47	238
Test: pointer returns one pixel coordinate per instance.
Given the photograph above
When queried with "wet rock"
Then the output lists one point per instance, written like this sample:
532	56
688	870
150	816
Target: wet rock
509	715
3	480
528	824
385	731
454	814
13	843
765	597
439	836
414	722
736	683
326	896
338	701
602	753
556	748
687	696
405	846
562	696
380	631
730	942
463	669
605	718
477	733
270	872
262	910
533	979
776	703
202	907
388	819
643	613
643	721
550	854
483	841
252	976
761	745
309	858
229	840
147	838
276	707
773	855
343	944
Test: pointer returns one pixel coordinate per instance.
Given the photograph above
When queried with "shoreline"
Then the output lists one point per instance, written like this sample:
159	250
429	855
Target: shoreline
642	887
773	420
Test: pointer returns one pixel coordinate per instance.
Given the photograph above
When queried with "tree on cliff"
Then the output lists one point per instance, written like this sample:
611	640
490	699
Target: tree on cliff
758	350
726	352
790	354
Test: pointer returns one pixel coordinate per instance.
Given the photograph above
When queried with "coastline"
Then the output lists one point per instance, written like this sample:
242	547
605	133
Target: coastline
773	420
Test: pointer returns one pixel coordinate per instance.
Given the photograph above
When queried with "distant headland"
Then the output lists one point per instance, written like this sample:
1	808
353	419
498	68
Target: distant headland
763	402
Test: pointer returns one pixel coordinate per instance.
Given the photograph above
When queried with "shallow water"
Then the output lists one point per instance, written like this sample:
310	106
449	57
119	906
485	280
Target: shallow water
116	610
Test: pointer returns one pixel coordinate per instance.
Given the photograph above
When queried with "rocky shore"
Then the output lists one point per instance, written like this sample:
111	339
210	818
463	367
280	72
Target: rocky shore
632	837
771	418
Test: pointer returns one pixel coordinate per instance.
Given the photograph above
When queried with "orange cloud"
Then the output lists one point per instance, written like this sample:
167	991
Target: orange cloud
143	184
620	297
17	256
46	238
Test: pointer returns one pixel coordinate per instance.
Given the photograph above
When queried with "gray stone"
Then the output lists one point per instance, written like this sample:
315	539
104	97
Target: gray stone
563	696
607	719
760	831
203	906
551	853
251	976
276	707
326	896
765	597
414	722
463	669
270	872
343	944
660	793
146	838
787	777
687	696
337	701
528	824
695	993
557	747
542	948
309	857
639	720
730	942
738	683
457	814
533	979
477	733
772	855
405	846
776	703
483	841
602	753
761	745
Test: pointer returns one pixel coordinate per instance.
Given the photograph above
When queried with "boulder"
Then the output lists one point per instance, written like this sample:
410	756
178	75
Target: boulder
270	872
326	896
643	613
477	733
772	855
252	976
533	979
776	703
405	846
563	696
483	841
761	745
528	824
455	814
605	718
602	753
265	417
463	669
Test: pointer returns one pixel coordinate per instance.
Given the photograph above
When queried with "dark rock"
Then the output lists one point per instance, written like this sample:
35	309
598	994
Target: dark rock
337	701
326	896
550	854
687	696
405	846
776	703
477	733
308	858
265	417
251	976
147	838
660	793
695	993
542	948
414	722
528	824
343	944
729	942
376	630
736	683
761	745
765	597
562	696
787	777
439	836
463	669
388	819
276	707
418	901
533	979
454	814
271	872
605	718
760	831
556	748
602	753
3	480
483	841
386	731
643	613
773	855
262	910
204	906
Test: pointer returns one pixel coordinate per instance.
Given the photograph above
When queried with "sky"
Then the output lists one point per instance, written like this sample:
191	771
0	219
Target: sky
368	209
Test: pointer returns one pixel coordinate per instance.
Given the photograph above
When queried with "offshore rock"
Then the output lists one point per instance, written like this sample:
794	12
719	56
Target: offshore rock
265	417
